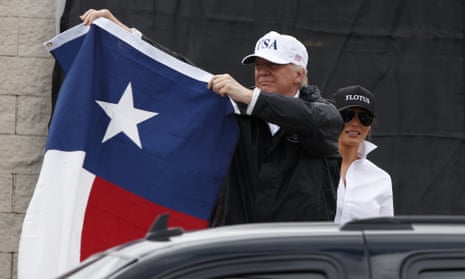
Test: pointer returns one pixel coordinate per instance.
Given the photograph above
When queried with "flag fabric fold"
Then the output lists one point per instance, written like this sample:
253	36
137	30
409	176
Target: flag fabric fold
135	133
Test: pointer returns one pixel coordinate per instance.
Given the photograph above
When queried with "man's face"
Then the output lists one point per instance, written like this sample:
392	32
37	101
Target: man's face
283	79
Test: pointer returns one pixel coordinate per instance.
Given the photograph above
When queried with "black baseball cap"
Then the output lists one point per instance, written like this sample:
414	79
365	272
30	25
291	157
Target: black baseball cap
354	96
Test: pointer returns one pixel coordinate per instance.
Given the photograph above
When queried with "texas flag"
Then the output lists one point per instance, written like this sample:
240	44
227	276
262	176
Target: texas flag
135	133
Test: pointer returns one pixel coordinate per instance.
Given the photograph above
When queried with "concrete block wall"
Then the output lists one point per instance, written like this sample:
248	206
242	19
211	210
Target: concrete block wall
25	107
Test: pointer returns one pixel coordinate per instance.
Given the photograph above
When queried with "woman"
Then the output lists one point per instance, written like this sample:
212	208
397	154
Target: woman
364	189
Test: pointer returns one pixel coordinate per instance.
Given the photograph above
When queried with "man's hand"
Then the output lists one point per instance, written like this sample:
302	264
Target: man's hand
226	85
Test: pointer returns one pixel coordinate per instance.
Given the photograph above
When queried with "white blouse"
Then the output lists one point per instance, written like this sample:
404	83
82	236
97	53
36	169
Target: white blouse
368	190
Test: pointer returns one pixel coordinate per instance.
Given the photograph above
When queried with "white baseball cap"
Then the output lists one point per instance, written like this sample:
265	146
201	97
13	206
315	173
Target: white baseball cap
279	49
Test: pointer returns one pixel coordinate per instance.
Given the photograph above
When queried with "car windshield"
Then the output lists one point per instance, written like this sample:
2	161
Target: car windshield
101	267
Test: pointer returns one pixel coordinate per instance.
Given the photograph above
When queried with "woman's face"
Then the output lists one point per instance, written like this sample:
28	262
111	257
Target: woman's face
357	125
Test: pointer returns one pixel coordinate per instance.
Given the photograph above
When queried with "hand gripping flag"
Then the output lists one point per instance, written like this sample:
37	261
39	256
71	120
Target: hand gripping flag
135	133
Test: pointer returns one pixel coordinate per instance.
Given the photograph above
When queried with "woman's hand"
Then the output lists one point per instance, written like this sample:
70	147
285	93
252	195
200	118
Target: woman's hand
90	15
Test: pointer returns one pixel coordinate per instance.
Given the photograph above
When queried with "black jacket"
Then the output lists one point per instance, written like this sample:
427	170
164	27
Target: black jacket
291	176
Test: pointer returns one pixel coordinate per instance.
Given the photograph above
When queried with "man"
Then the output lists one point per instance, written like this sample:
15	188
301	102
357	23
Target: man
286	163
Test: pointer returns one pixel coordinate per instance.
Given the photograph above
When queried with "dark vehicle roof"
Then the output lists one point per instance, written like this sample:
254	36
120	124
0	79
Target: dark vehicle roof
378	247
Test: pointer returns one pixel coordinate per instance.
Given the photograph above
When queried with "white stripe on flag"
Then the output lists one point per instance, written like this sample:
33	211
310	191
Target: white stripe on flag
55	216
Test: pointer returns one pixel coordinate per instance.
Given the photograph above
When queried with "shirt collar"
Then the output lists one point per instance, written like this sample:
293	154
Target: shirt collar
365	148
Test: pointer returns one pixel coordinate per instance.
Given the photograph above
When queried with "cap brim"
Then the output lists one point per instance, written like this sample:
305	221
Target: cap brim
356	106
251	59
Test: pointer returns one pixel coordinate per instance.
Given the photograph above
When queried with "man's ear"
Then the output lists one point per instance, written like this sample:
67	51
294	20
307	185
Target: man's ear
299	75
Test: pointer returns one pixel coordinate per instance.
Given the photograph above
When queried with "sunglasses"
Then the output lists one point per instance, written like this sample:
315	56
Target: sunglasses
365	117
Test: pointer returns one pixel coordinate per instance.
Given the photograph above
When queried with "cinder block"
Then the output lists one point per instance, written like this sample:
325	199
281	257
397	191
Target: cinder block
33	32
23	188
10	229
6	192
7	114
33	116
28	8
25	76
21	154
6	265
9	35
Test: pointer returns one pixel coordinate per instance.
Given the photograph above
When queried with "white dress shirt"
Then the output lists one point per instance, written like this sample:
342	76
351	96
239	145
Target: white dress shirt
368	190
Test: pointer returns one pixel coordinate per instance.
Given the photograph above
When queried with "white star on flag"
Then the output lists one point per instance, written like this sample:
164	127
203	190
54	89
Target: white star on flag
124	117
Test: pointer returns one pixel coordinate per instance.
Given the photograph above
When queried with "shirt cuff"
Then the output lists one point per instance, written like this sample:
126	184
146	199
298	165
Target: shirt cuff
251	106
136	33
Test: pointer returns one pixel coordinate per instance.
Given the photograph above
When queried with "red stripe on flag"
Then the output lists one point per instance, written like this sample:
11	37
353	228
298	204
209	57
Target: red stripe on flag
114	216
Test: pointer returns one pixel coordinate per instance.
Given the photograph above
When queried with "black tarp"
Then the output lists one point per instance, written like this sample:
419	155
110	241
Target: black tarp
408	53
